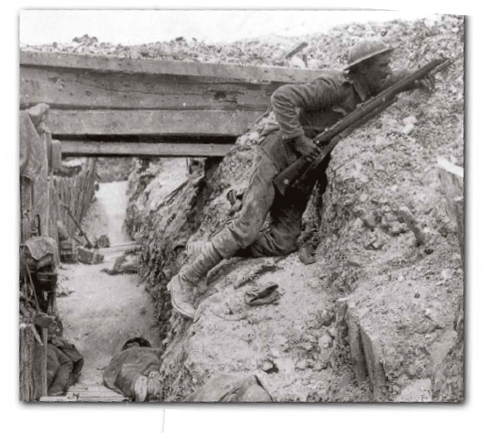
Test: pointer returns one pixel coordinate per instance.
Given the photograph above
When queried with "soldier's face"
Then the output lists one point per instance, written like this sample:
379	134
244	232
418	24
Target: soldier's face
377	70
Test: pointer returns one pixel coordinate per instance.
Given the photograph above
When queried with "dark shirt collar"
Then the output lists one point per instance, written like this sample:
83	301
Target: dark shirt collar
361	88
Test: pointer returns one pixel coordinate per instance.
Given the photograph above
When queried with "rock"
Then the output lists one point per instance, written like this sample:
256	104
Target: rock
416	391
374	242
378	244
325	356
369	221
318	366
327	317
447	274
301	365
407	129
269	367
307	346
325	341
397	228
254	137
275	352
354	263
411	120
306	255
309	338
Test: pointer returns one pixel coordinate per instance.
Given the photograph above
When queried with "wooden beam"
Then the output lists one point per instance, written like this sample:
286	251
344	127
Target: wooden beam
114	149
72	89
162	67
145	122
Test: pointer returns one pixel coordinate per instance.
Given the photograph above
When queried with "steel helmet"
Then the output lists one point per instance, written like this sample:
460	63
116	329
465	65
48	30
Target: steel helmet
366	49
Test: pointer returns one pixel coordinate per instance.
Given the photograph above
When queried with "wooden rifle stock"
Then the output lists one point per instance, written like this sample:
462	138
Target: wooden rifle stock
308	174
329	138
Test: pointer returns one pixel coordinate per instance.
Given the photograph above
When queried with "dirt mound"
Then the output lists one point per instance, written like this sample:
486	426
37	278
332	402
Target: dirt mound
376	317
324	50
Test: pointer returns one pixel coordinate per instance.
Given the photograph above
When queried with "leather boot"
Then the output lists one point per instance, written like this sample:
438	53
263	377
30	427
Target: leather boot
140	389
182	285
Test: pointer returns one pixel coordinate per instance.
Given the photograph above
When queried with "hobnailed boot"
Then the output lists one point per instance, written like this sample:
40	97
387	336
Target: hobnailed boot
183	284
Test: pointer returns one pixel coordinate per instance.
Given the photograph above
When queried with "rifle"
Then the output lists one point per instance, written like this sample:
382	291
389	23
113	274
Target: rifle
302	170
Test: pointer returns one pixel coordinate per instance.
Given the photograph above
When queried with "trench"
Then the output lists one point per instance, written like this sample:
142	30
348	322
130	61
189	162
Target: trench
101	312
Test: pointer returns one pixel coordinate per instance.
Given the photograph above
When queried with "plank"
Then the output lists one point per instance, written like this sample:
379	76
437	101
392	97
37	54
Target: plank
27	360
112	149
87	394
163	67
71	89
452	186
86	399
145	122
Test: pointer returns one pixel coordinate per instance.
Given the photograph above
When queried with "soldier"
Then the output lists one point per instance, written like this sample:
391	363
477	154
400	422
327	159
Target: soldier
64	361
302	111
134	371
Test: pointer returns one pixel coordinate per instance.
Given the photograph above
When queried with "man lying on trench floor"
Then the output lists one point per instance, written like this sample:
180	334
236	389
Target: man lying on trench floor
134	372
302	112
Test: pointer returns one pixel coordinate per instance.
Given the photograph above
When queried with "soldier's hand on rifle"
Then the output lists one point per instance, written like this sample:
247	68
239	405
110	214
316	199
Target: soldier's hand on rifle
305	147
427	83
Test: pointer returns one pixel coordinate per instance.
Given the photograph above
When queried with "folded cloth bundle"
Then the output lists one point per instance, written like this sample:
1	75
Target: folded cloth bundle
259	296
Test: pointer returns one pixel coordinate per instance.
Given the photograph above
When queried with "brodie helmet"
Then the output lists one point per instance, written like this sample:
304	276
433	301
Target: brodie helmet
366	49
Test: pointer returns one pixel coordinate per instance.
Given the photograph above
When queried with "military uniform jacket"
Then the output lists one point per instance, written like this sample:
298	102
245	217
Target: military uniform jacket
312	107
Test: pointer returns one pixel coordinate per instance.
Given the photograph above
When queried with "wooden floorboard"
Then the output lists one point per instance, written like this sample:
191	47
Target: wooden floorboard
98	394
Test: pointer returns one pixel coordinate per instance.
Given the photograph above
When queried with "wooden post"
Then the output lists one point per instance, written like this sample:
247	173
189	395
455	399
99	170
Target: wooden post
44	362
451	179
296	49
56	150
